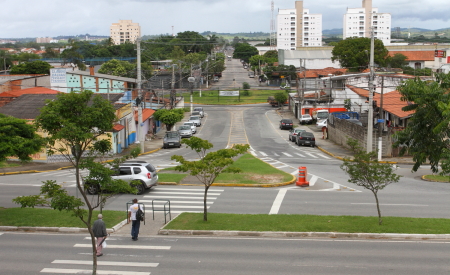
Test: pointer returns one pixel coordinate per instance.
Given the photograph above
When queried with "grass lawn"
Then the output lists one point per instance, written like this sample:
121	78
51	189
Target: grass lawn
210	97
5	164
44	217
309	223
167	177
254	171
437	178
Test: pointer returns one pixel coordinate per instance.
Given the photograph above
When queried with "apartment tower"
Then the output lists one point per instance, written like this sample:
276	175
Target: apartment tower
298	28
125	31
359	21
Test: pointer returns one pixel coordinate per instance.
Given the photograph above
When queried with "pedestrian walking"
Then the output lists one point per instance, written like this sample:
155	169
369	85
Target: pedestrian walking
99	229
135	223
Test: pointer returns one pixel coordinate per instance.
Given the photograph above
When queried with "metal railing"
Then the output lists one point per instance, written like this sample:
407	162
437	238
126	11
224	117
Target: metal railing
165	208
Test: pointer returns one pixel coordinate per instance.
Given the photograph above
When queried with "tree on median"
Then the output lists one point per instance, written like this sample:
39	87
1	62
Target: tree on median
18	138
281	98
77	126
365	171
210	165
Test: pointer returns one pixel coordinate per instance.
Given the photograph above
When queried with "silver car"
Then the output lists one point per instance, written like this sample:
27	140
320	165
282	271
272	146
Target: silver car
142	174
185	131
200	110
196	120
192	125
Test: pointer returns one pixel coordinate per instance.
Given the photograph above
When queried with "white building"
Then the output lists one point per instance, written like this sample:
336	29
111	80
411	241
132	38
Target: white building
358	23
298	28
125	31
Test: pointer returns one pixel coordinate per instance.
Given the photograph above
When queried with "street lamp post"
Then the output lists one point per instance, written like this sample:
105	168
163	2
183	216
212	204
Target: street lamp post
191	80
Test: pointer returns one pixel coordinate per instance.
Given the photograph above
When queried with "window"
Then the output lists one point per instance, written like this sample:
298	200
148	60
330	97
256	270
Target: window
136	170
125	170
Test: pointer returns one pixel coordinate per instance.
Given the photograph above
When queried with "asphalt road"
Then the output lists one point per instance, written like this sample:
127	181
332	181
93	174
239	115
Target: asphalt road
28	253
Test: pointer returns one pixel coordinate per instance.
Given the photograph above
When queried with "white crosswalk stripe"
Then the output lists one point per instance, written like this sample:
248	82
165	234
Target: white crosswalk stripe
303	152
86	271
151	247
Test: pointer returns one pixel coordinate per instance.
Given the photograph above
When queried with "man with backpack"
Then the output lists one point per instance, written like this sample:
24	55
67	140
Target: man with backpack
135	214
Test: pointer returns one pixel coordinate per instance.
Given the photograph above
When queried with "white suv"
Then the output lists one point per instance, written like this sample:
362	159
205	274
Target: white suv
130	171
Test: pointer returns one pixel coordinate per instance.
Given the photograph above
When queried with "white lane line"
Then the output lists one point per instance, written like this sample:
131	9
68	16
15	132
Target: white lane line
311	155
323	156
275	154
393	204
86	271
262	153
286	154
184	189
127	246
313	180
156	192
105	263
300	155
277	202
174	197
179	212
159	203
253	153
279	167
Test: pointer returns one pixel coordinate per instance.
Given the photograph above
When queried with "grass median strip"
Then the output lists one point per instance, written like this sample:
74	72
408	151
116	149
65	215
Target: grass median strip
44	217
309	223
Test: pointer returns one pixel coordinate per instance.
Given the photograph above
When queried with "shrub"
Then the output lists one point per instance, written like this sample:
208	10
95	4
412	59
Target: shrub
245	86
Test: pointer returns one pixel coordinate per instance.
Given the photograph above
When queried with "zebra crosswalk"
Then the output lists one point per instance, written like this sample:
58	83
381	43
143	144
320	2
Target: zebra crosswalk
181	199
77	266
308	153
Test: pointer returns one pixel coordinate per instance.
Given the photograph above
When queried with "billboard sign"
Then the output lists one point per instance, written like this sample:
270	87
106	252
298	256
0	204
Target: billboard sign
229	93
58	79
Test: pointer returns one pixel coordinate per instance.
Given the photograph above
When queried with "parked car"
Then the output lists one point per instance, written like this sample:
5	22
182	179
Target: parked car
286	124
216	79
185	131
192	125
306	138
196	113
293	134
306	119
172	139
200	110
196	120
322	123
142	174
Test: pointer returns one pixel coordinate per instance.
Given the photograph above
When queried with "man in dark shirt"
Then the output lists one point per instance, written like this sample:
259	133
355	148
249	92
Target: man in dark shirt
99	229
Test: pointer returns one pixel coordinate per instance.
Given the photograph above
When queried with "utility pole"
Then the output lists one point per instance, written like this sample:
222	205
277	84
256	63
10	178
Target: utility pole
381	121
139	86
172	86
371	90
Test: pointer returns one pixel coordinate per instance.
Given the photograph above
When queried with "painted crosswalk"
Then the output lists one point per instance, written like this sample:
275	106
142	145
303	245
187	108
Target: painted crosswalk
181	199
79	266
307	153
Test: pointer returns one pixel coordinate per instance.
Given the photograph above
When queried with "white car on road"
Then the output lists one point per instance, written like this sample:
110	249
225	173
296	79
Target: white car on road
192	125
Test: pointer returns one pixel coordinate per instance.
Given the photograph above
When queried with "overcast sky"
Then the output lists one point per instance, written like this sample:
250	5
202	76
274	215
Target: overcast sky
26	18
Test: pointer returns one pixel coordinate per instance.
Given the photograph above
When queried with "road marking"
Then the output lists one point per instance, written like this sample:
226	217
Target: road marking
159	203
311	155
156	192
262	153
325	157
86	271
127	246
277	202
286	154
195	189
105	263
393	204
313	180
253	153
174	197
300	155
279	167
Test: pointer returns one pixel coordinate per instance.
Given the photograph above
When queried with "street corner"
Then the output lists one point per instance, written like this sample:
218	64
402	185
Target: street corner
315	183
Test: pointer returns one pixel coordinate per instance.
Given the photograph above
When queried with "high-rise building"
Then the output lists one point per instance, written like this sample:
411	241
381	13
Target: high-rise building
359	21
125	31
298	28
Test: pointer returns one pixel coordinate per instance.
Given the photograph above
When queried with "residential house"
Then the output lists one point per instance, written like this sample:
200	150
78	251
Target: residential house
417	59
9	96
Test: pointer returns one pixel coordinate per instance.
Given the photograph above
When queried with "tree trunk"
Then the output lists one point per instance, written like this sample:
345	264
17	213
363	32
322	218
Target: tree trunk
205	209
378	209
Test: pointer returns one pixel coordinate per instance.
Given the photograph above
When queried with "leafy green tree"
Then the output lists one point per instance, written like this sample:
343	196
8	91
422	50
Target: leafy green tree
244	51
365	171
35	67
245	86
5	60
18	138
25	57
289	72
271	56
169	117
397	61
50	53
425	137
72	54
417	72
118	68
210	165
354	53
281	98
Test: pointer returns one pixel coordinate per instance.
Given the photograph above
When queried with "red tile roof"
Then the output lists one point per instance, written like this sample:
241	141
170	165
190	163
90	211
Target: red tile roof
118	127
35	90
146	113
359	91
393	104
314	73
416	55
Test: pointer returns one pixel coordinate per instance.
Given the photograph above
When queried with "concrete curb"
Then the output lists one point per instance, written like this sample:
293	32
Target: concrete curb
333	235
59	229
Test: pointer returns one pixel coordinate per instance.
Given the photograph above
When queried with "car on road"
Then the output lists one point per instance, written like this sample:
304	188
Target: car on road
200	110
141	174
196	120
306	138
216	79
306	119
322	123
185	131
293	134
171	139
196	113
192	125
286	123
